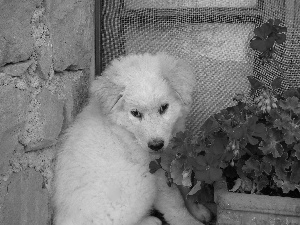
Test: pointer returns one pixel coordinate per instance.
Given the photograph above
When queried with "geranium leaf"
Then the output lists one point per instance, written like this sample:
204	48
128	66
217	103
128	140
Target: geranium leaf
237	132
196	188
295	176
176	170
269	43
289	137
201	161
259	45
213	160
154	166
297	149
280	38
277	22
215	173
203	175
272	146
276	83
210	125
260	130
251	165
252	140
282	164
266	167
193	163
291	103
217	147
262	182
285	185
186	178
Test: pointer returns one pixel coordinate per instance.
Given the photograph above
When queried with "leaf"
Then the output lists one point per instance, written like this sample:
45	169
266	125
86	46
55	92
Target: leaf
237	132
289	137
266	167
270	43
154	166
203	175
209	170
295	176
255	84
282	164
280	38
297	149
272	145
262	182
258	44
186	178
218	146
277	22
263	31
276	83
285	185
291	103
179	139
201	161
210	125
196	188
237	185
212	160
215	174
252	140
260	130
176	170
251	165
255	129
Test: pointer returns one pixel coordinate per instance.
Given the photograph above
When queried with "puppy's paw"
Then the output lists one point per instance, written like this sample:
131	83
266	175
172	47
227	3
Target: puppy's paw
200	212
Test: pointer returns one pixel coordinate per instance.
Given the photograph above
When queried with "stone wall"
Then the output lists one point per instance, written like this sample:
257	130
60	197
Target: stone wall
46	64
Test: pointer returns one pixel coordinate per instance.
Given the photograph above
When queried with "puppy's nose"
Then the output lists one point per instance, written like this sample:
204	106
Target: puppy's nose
156	144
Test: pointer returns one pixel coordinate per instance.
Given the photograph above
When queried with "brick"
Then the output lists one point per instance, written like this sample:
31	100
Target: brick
72	87
72	32
13	106
8	143
16	42
16	69
44	122
26	201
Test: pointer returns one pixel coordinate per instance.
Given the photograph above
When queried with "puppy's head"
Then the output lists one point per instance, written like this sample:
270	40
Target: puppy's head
148	95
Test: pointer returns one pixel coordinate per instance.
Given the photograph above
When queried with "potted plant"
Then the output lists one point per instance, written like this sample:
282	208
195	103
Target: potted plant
252	148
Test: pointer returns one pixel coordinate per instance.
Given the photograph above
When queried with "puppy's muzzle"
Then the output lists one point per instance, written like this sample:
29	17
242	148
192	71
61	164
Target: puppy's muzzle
156	144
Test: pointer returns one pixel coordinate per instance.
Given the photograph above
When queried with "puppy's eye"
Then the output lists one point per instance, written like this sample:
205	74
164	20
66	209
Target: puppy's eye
163	108
136	113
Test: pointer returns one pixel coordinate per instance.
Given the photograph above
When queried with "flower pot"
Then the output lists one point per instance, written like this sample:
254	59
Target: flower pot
252	209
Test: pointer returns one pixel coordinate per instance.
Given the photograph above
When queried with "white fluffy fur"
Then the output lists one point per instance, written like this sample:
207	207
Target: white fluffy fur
102	173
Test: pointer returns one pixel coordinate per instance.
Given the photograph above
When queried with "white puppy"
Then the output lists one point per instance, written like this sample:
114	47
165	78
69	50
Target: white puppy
102	173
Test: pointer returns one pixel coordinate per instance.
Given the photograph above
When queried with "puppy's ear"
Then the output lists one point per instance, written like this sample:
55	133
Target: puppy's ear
107	93
179	75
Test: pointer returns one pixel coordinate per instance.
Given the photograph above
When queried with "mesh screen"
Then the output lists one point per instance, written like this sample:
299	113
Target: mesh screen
212	36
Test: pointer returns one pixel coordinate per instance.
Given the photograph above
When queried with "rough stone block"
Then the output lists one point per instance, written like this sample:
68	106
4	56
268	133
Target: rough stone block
44	121
72	32
8	143
26	201
13	107
16	42
72	87
16	69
